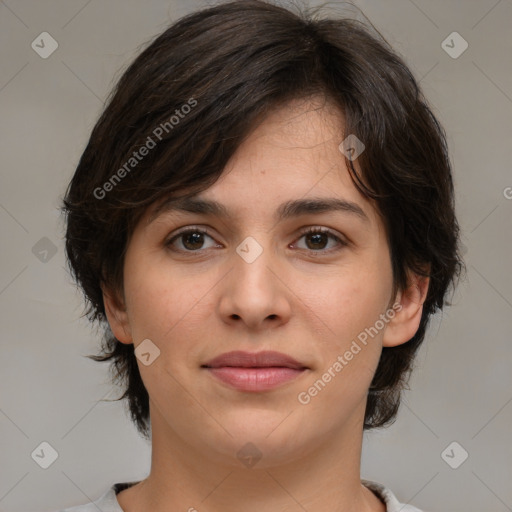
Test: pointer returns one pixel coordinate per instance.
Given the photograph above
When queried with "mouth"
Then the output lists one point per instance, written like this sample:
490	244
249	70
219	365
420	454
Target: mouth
254	372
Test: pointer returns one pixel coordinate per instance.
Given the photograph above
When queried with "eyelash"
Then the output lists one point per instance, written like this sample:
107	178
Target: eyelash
303	232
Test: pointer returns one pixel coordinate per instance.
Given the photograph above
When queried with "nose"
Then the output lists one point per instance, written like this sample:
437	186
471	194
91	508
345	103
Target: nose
255	293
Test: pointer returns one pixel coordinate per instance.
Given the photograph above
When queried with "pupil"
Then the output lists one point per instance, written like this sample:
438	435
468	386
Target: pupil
196	239
317	238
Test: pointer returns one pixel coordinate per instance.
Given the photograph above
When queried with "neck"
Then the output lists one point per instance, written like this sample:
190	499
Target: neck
324	477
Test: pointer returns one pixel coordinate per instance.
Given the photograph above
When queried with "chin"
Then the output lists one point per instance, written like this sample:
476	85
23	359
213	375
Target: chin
261	439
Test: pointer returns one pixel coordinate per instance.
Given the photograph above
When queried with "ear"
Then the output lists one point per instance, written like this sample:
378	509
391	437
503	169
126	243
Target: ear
117	316
403	326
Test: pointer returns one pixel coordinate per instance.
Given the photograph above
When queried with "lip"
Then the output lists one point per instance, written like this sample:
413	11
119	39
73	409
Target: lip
260	371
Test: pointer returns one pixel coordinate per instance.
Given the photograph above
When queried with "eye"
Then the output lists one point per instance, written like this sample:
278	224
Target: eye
317	238
192	239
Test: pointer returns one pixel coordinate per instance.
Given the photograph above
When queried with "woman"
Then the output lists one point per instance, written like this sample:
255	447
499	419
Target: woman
264	220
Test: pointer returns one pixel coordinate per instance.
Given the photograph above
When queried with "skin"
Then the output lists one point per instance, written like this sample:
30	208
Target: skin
304	296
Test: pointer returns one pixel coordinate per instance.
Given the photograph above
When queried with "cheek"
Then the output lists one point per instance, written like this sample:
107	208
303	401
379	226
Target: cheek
350	355
151	296
352	302
165	303
162	309
351	307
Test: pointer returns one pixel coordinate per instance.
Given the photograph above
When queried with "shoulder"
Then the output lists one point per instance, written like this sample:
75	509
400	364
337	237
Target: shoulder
107	502
391	501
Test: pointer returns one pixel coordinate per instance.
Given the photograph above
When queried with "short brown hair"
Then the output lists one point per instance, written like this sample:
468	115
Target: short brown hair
231	64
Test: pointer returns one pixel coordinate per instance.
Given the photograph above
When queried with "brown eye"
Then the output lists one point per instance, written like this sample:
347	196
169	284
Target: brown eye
191	240
317	239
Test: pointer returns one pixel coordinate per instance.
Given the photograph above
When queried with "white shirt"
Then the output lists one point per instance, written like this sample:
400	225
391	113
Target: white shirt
108	501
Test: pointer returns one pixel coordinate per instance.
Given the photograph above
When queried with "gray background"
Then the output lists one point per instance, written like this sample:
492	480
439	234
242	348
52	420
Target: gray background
461	390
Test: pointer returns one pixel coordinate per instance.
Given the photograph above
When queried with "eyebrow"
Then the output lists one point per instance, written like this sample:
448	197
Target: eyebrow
288	209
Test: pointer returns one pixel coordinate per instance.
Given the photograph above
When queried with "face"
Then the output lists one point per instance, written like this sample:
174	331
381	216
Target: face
306	284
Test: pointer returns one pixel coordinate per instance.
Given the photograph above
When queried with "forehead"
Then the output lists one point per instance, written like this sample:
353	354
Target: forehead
289	165
302	123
